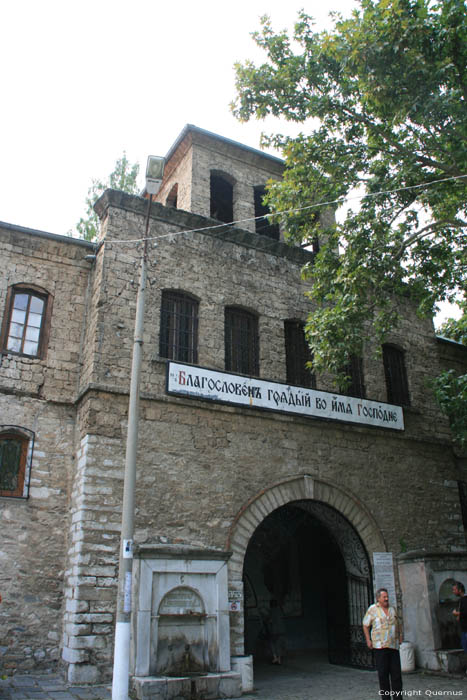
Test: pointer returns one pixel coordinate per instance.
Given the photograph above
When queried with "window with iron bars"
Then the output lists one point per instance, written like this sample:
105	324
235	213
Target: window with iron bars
396	376
262	224
297	355
241	341
356	380
179	327
462	486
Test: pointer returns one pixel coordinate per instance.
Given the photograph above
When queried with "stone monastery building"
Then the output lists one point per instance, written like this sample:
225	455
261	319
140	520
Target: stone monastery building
255	480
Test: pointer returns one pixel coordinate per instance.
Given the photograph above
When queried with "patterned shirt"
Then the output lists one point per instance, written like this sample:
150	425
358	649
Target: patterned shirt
384	628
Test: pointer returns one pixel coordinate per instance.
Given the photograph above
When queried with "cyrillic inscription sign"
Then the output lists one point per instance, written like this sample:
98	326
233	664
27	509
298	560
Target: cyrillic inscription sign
200	383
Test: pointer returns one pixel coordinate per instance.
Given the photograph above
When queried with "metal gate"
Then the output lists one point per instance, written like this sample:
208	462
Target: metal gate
346	641
359	600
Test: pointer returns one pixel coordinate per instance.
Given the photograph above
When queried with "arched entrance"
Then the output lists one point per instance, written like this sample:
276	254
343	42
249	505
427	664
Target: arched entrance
306	543
307	556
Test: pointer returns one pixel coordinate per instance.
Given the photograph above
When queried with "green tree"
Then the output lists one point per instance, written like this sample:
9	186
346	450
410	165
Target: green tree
123	177
382	99
451	388
456	328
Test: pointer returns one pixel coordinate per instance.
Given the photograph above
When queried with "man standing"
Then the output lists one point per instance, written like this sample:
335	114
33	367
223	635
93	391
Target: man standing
461	613
385	637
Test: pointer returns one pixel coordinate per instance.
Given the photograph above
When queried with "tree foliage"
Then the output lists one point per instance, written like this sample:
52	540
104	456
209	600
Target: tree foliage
450	387
382	99
456	328
123	177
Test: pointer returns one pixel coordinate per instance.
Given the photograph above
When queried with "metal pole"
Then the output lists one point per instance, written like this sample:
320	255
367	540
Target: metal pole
121	668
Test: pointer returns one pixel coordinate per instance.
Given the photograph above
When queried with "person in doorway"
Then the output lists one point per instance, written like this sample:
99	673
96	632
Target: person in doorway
276	630
461	612
385	637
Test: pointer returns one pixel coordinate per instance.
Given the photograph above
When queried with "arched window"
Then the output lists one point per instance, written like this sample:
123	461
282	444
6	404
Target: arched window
241	341
172	197
263	226
15	456
26	321
396	376
221	197
297	355
178	338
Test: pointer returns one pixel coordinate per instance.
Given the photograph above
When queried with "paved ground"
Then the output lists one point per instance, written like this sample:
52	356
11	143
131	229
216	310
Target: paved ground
48	687
298	679
316	679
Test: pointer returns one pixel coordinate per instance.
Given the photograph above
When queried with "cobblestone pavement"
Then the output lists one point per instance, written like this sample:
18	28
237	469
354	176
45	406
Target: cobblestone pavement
48	687
315	679
298	679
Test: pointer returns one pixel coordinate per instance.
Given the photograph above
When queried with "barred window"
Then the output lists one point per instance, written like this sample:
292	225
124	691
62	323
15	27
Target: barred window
24	326
263	225
13	461
241	341
354	373
297	355
179	327
462	486
396	376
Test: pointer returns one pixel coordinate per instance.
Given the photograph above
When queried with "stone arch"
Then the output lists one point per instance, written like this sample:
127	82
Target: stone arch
298	489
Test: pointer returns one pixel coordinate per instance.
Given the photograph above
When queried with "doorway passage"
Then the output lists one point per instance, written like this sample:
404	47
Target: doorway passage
309	558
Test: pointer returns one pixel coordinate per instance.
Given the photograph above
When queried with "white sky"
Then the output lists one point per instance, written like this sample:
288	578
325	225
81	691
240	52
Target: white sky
83	81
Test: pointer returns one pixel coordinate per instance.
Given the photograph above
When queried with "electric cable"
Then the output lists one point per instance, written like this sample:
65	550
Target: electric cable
340	200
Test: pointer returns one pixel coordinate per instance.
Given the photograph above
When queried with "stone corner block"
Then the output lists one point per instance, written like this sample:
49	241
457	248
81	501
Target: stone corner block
74	656
230	685
82	673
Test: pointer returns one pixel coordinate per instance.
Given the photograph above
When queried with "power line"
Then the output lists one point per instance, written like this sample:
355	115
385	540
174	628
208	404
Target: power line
341	200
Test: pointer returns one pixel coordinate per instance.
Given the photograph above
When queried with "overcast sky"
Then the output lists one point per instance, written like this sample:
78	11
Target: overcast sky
81	82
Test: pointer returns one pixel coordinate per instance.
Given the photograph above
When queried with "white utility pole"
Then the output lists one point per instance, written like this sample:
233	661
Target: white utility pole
121	667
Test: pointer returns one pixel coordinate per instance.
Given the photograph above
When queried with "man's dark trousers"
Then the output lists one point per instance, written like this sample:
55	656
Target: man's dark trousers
388	665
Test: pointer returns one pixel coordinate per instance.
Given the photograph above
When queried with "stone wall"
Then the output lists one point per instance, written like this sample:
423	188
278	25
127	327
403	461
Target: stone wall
57	265
452	355
34	536
38	394
92	561
179	172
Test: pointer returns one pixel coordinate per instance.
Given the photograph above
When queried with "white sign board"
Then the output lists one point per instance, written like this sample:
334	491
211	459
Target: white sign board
384	574
200	383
